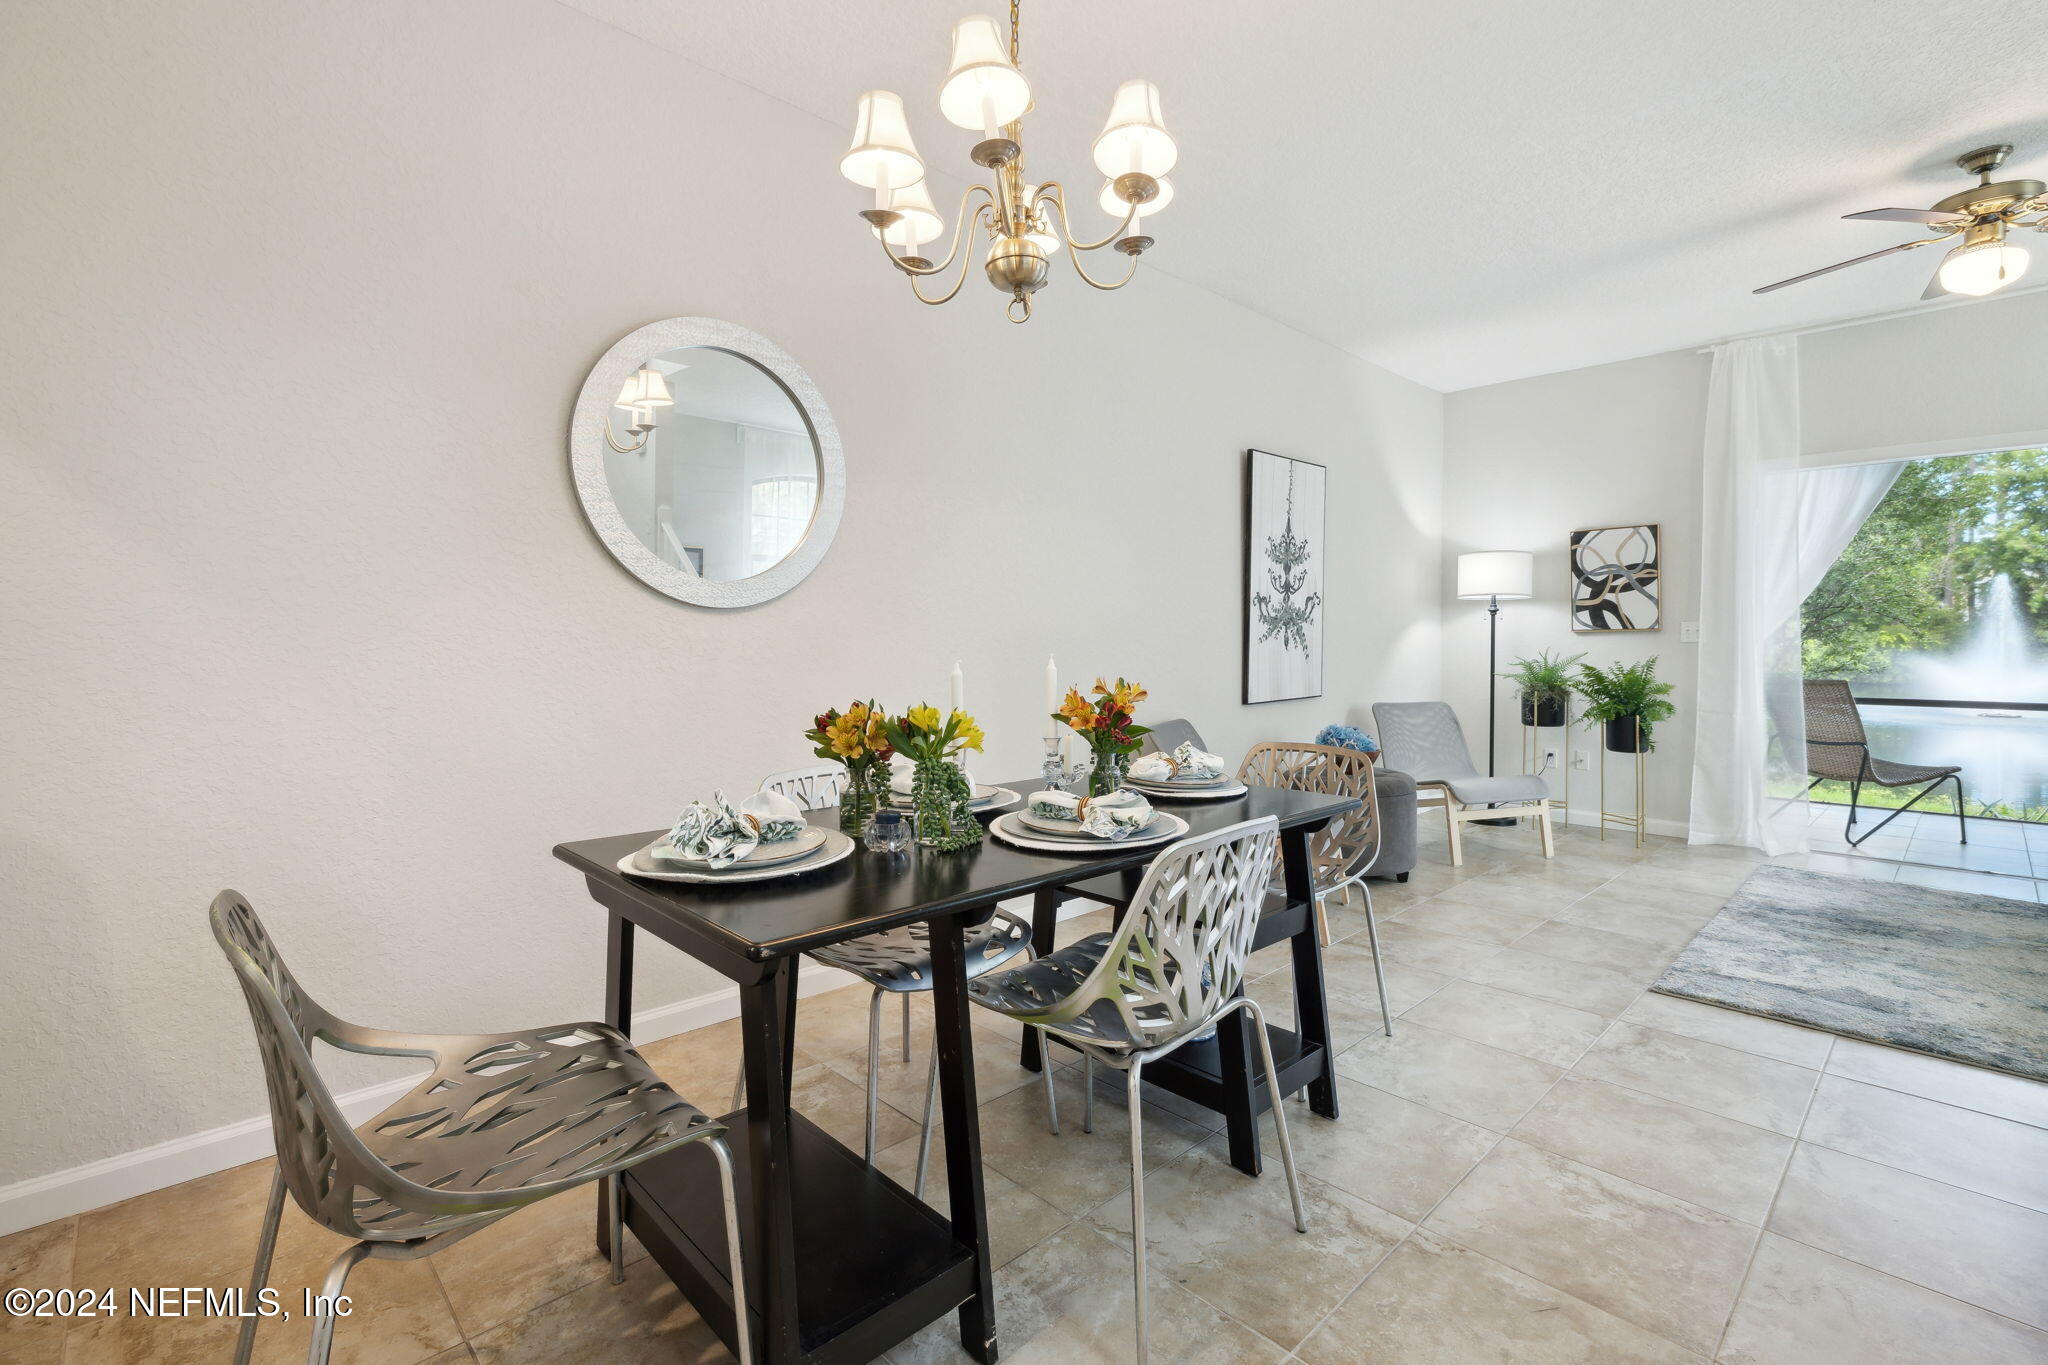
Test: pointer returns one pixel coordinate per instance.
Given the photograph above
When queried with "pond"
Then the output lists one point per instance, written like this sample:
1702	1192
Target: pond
2003	754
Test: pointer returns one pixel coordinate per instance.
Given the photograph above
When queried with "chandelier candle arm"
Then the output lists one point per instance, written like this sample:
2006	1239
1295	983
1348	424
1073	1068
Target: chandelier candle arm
1058	197
915	266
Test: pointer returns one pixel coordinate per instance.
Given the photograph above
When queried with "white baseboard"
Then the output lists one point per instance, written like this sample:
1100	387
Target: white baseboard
1590	819
59	1194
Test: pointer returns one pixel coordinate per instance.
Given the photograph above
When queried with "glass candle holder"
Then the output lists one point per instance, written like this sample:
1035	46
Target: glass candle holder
887	832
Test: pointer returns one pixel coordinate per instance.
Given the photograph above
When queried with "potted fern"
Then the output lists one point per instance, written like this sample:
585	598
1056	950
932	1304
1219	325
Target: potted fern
1629	700
1545	683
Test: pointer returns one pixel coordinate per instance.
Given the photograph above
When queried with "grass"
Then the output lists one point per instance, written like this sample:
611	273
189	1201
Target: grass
1940	803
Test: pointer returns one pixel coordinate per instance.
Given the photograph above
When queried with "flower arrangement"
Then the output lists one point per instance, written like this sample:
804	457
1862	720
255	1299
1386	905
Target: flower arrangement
1347	737
1106	724
939	795
858	739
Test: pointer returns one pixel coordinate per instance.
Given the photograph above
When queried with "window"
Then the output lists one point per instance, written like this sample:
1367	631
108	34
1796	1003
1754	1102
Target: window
781	510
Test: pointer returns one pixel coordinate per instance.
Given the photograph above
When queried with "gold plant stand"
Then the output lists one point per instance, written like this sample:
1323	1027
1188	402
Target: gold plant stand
1532	754
1625	819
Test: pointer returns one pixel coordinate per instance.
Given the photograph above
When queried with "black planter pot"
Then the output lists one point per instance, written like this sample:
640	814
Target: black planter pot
1548	713
1625	736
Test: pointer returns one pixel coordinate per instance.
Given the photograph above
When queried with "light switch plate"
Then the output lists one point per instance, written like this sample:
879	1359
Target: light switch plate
1688	632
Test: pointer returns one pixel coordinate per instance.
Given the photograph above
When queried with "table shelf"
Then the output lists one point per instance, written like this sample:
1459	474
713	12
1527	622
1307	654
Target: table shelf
852	1304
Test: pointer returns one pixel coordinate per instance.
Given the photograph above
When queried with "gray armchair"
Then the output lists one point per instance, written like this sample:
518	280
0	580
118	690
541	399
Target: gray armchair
1424	740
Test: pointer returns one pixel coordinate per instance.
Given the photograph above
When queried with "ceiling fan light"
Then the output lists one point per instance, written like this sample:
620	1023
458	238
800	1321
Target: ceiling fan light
920	222
1117	207
984	90
1979	268
1134	137
882	156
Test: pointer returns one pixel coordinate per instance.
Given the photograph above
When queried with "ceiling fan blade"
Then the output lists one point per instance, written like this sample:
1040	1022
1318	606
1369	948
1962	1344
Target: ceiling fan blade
1934	289
1928	216
1840	265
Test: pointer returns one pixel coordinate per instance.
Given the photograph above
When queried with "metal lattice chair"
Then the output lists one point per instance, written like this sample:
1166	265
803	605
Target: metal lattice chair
1838	750
503	1121
899	962
1166	975
1342	853
1424	740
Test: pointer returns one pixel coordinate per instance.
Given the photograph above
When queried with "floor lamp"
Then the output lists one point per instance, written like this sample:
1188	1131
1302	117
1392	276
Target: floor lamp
1493	577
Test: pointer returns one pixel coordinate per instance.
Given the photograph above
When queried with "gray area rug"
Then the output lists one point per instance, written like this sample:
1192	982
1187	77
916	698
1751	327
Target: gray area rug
1945	972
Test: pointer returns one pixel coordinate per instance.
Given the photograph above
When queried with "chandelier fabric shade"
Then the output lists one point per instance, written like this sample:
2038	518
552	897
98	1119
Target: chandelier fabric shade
1134	139
882	156
1113	203
645	388
984	90
920	222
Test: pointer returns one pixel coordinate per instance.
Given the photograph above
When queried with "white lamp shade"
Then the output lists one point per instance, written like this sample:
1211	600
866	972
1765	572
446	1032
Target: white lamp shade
920	221
1982	267
645	388
1135	138
1507	574
983	90
1117	207
882	156
1043	234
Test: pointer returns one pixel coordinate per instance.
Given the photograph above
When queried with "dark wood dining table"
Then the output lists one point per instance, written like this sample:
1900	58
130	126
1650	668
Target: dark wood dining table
841	1261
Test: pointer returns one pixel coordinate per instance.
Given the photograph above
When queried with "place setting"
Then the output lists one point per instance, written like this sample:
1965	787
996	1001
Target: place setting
764	837
1186	774
1112	813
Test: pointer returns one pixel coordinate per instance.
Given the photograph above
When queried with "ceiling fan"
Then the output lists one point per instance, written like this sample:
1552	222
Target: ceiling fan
1984	261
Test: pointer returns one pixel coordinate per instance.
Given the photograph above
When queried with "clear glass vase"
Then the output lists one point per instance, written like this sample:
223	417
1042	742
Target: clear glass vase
939	797
865	792
1108	773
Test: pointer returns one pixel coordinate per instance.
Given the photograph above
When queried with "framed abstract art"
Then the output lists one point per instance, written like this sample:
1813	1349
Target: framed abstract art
1617	575
1283	596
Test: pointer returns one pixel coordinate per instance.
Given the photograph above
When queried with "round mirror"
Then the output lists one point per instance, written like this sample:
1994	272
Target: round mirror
707	463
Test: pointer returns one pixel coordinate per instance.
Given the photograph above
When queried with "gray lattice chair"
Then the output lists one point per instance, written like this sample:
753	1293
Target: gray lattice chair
1838	750
899	962
1165	976
504	1120
1424	740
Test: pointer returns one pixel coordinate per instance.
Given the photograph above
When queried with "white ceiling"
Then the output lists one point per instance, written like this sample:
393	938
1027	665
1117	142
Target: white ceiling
1479	190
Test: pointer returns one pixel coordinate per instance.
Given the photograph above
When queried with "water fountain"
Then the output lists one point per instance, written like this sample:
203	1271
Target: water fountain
1997	663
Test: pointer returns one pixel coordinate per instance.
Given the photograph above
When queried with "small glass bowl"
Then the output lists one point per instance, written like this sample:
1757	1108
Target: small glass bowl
887	832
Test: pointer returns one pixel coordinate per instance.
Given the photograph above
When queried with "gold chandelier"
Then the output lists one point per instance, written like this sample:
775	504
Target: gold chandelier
1025	223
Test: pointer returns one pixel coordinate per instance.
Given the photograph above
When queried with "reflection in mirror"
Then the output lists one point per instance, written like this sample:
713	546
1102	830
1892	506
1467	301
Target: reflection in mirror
711	464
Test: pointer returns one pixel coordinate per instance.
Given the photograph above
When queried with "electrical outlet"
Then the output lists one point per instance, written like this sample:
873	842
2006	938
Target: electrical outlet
1549	759
1581	759
1688	632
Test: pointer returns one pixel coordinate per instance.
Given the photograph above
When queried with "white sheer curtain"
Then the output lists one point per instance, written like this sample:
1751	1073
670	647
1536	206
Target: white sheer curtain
1749	603
1769	534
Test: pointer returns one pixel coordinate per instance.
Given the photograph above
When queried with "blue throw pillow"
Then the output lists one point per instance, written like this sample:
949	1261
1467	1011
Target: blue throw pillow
1348	737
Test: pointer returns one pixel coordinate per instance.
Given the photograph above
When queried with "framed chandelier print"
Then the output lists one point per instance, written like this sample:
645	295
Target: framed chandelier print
1283	606
1617	578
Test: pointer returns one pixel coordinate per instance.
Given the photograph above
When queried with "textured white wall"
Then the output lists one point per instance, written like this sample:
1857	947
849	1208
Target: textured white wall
298	598
1528	462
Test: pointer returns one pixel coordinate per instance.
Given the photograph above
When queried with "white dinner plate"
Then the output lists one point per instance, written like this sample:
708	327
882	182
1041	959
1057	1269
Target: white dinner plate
1151	791
1072	827
808	841
985	798
829	850
1163	830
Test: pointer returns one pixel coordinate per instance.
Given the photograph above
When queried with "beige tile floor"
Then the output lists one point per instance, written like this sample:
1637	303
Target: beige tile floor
1544	1164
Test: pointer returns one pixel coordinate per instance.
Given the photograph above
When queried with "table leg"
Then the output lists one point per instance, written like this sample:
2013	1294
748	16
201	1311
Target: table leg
618	1012
1311	1004
785	1001
1045	914
769	1222
1234	1051
969	1207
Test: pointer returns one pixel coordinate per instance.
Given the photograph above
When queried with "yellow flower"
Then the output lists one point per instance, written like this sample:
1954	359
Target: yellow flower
847	738
1078	713
1127	695
925	718
858	713
877	738
969	735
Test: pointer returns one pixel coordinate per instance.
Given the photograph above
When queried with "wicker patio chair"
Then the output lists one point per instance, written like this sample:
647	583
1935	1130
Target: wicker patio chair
1838	750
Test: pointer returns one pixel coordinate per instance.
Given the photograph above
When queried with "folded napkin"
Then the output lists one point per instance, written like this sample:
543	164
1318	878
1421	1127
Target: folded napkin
715	834
1106	817
1185	764
777	818
902	772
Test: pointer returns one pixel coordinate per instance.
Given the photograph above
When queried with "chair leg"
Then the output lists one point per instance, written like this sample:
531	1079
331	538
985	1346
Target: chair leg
874	1066
735	1263
1962	829
615	1190
1138	1206
266	1243
906	1027
1379	974
323	1317
1251	1007
1087	1094
1543	831
1457	842
931	1098
1052	1103
1315	898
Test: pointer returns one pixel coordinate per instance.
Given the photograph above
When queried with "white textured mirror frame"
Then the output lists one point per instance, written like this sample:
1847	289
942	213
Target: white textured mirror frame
587	461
